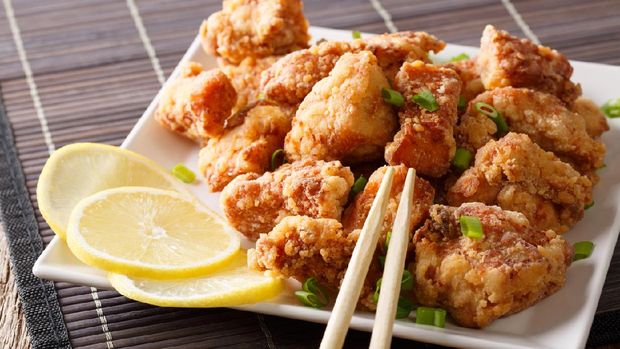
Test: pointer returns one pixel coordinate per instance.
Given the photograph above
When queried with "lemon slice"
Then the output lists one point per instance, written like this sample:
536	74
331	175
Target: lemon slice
78	170
148	232
233	284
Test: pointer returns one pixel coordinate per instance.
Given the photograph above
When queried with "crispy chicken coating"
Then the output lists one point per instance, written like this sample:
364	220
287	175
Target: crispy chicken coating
539	115
245	78
470	77
253	28
596	122
478	281
344	117
518	175
246	148
292	77
254	204
505	60
425	140
197	104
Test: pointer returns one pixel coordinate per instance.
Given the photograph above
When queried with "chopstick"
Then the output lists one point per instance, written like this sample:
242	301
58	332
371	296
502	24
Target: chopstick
393	270
351	287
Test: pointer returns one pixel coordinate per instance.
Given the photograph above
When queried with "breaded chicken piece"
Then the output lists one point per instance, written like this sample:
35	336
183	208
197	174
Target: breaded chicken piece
541	116
425	140
246	148
253	28
344	117
254	204
505	60
355	215
197	104
518	175
292	77
470	78
478	281
596	122
245	78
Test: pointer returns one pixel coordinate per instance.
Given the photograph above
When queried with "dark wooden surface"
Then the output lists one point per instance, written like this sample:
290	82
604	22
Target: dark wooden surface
94	79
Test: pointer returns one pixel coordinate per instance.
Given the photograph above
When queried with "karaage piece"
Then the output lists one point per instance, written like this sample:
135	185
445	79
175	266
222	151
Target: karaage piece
246	148
197	104
518	175
478	281
344	117
253	28
470	78
541	116
505	60
596	122
355	215
425	140
245	78
254	204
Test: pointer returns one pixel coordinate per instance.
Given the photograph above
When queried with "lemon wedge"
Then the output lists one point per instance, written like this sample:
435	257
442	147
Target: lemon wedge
233	284
78	170
148	232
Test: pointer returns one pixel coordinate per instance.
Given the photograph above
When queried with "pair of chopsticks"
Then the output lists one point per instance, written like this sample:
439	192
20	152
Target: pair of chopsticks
350	289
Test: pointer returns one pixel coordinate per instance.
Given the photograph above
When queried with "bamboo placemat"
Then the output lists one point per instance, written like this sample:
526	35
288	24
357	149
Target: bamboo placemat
78	70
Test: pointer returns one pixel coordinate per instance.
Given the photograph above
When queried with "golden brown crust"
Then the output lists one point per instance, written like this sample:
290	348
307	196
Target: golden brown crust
480	280
518	175
596	122
505	60
197	104
425	140
245	77
252	28
344	117
470	78
253	204
246	148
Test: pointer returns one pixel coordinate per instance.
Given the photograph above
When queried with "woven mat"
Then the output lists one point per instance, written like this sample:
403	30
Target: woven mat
89	78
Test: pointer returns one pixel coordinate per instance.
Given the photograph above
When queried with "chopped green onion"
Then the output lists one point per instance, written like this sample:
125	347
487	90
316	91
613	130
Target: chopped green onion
183	173
356	34
404	308
309	299
277	159
393	97
588	205
461	57
462	159
430	316
359	185
311	285
493	114
471	227
407	281
381	261
583	249
462	103
426	100
375	296
388	237
612	108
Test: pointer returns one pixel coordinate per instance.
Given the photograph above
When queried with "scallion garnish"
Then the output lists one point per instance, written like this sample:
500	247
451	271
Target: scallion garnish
426	100
309	299
462	159
462	103
583	249
460	57
393	97
356	34
588	205
381	261
404	308
313	294
277	159
612	108
493	114
471	227
375	296
183	173
430	316
359	185
388	236
407	281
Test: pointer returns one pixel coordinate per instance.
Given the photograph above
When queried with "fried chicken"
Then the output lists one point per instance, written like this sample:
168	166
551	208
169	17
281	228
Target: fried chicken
197	104
505	60
254	204
596	122
478	281
344	117
246	148
541	116
245	77
253	28
425	140
290	79
518	175
470	78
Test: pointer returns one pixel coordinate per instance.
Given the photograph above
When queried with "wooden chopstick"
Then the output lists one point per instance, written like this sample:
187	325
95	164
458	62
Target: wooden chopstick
393	270
351	287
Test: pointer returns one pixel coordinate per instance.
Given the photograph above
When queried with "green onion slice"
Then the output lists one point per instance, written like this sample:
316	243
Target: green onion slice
393	97
430	316
583	250
462	103
381	261
277	159
407	281
388	237
183	173
460	57
375	296
471	227
612	108
309	299
493	114
426	100
462	159
588	205
311	285
359	185
356	34
404	308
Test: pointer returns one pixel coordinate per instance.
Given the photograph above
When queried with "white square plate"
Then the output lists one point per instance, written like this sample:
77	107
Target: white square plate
560	321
